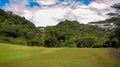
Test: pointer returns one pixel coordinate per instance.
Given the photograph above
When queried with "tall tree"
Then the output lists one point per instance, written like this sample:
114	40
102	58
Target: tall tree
115	39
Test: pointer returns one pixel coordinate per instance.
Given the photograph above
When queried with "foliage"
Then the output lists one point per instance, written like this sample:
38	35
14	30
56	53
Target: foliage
71	34
50	36
114	39
112	35
16	29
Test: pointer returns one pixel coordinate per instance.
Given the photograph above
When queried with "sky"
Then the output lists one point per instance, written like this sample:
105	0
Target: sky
51	12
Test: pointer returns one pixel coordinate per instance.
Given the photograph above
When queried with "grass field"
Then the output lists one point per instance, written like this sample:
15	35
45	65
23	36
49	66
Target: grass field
26	56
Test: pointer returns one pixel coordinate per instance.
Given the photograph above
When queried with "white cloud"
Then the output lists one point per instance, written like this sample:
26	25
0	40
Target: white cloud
17	6
52	16
45	16
99	6
108	2
84	15
47	2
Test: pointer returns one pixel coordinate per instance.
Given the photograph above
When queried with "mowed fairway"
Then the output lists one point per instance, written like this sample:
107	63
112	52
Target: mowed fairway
26	56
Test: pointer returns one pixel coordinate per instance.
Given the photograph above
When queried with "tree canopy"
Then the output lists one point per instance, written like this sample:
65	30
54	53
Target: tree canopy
16	29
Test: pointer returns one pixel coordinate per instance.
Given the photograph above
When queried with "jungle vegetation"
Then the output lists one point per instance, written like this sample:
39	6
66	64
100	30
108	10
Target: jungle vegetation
17	30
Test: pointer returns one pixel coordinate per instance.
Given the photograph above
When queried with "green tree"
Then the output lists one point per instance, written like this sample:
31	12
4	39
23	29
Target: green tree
16	29
50	37
115	39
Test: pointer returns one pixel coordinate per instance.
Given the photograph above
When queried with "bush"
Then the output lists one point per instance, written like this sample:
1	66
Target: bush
34	42
112	43
20	40
3	39
97	44
69	43
85	42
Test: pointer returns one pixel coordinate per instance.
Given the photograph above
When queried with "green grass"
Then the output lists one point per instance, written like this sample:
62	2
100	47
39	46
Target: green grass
26	56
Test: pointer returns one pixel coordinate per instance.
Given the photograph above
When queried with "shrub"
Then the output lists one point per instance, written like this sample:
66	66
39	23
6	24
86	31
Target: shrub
69	43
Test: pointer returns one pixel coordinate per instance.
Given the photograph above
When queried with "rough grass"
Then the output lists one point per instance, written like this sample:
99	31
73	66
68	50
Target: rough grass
26	56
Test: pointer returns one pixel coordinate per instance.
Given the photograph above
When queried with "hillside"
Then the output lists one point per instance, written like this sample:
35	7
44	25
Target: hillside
73	34
16	29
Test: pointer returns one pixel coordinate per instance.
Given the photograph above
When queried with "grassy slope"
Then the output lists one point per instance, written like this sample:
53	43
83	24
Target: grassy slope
24	56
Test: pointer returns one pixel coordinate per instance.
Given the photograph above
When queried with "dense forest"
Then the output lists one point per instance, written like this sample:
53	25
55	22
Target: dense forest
17	30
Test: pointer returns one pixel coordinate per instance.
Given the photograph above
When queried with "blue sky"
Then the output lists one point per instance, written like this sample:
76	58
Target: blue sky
33	3
51	12
3	2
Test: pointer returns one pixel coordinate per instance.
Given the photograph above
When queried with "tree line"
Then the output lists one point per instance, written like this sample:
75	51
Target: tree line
17	30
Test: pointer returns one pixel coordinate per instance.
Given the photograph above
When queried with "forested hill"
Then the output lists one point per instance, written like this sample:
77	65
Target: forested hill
73	34
15	29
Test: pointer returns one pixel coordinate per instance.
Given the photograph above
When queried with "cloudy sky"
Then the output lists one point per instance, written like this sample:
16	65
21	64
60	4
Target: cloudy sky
51	12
